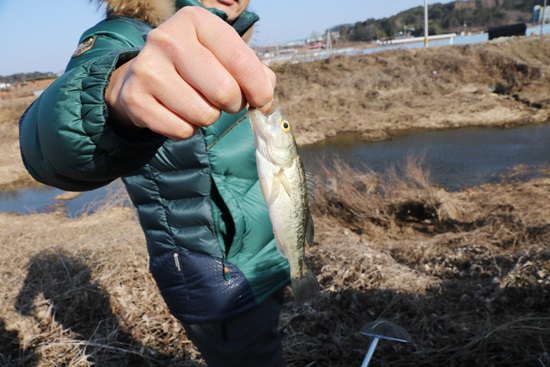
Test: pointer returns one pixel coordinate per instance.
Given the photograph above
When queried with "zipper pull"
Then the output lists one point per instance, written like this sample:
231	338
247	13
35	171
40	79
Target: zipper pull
226	271
177	261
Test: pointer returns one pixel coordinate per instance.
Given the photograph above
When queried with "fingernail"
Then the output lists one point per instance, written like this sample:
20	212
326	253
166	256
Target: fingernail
267	108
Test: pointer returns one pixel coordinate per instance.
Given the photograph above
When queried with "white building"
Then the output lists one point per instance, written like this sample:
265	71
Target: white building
537	14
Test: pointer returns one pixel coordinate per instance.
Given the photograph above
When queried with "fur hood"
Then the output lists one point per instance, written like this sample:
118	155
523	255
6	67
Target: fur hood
152	12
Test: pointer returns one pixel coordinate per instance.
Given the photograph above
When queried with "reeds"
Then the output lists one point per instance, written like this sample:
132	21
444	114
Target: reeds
77	292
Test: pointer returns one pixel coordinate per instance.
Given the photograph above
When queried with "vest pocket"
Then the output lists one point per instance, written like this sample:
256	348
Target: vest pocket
200	288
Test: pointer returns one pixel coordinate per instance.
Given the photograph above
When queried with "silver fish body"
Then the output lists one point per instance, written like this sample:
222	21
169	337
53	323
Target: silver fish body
284	186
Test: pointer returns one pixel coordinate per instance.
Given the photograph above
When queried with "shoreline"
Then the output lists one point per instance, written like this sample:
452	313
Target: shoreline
384	95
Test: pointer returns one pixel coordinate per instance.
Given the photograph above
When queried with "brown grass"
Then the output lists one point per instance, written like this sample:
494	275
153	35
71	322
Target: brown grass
382	94
76	292
12	171
471	288
466	273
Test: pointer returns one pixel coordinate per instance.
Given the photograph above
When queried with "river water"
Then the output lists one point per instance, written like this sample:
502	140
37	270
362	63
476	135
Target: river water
456	159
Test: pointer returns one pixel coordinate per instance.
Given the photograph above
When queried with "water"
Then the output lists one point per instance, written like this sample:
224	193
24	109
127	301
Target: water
43	199
455	158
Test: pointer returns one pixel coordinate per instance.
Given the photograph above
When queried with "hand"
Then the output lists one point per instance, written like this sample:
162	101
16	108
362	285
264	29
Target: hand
192	67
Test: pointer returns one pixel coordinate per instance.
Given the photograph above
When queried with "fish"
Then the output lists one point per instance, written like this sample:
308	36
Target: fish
285	189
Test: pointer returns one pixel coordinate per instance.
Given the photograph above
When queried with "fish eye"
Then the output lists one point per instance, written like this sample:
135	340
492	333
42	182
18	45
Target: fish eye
285	125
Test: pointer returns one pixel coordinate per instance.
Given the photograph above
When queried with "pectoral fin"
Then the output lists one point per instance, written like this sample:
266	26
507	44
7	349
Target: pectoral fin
284	181
275	188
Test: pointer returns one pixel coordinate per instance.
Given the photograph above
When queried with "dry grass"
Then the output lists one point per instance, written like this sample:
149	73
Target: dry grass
381	94
457	270
467	273
12	171
76	292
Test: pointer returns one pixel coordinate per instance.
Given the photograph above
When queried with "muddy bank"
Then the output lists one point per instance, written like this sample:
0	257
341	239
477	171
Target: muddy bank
500	83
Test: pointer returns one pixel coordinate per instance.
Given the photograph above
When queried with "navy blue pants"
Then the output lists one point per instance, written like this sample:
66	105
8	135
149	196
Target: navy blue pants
249	340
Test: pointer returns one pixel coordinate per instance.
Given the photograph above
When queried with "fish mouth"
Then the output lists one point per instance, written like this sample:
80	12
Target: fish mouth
258	121
265	141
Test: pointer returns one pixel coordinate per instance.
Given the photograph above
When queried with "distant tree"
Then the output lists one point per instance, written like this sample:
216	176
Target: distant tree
27	77
442	18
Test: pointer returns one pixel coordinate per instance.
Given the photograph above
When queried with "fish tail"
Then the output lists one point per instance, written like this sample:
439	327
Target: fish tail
305	288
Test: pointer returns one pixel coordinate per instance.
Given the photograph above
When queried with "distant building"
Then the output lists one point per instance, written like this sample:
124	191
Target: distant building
537	14
465	4
472	4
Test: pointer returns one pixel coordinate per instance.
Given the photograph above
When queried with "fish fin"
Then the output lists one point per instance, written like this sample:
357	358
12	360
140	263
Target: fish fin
284	182
305	288
280	248
275	188
310	229
310	184
263	186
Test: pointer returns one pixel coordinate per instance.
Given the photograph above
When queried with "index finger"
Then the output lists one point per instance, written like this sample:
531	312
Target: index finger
236	56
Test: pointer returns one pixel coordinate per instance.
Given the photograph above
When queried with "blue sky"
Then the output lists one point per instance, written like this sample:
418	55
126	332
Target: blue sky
41	35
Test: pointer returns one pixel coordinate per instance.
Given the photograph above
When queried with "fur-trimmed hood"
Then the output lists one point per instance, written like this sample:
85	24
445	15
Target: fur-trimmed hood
152	12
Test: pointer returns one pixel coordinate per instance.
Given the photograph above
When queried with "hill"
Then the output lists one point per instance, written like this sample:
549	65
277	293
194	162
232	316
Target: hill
453	17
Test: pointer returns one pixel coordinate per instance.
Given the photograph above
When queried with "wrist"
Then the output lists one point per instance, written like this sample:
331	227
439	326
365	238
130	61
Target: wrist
117	114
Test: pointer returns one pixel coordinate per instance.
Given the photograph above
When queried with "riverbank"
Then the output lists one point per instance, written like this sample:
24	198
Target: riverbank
498	83
377	96
466	273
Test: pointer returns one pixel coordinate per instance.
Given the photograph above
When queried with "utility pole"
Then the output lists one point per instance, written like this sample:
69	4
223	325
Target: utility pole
329	43
542	18
426	23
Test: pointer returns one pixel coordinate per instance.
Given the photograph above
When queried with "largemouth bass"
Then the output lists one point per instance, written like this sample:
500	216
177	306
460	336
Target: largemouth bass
284	187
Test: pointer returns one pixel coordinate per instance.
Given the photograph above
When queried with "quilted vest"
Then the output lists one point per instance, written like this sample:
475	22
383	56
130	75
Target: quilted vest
209	237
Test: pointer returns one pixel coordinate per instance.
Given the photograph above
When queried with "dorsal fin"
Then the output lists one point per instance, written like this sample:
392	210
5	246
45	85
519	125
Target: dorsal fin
310	186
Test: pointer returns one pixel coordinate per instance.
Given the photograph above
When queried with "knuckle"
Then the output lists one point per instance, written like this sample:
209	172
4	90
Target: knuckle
159	36
191	11
142	71
185	131
130	98
228	96
208	117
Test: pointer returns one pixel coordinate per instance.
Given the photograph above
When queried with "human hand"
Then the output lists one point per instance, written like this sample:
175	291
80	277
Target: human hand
192	67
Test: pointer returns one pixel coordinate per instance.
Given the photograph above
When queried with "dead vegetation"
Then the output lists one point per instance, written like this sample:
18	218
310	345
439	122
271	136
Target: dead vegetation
466	273
500	83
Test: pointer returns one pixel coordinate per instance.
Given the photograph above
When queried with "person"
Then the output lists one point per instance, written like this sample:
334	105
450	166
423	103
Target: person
157	94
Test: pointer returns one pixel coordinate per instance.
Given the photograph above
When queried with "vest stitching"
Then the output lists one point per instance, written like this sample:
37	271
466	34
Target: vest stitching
162	202
227	131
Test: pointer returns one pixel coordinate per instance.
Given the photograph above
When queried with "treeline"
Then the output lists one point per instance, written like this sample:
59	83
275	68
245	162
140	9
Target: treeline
443	18
26	77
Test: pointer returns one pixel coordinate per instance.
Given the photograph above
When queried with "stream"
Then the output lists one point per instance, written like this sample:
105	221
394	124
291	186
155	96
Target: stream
455	159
